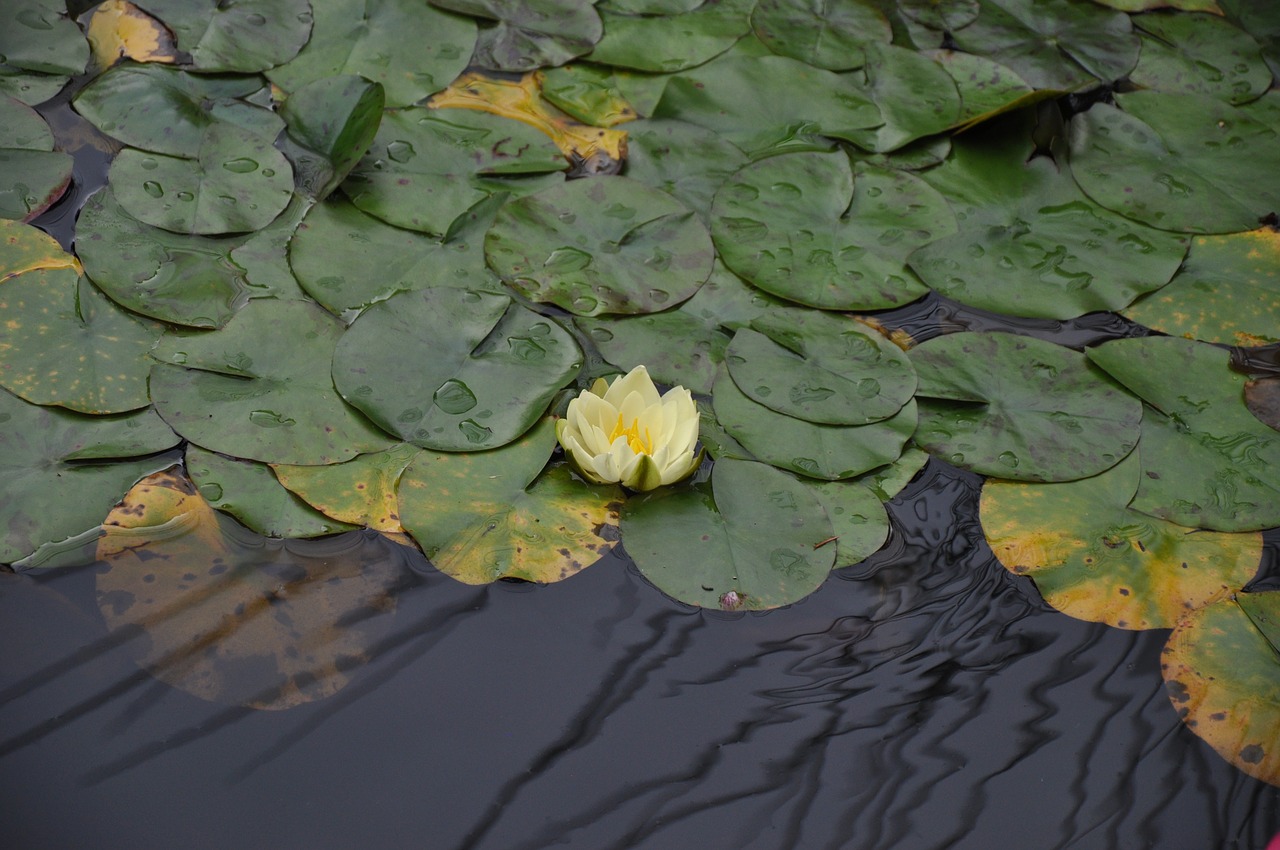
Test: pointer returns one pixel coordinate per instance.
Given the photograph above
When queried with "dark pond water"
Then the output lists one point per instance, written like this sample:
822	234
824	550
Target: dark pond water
923	699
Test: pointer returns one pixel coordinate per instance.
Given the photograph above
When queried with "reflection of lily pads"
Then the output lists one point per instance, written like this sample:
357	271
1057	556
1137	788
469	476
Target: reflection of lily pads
454	370
360	491
1200	54
1095	558
1021	408
670	39
247	35
278	629
32	174
528	34
607	245
1221	667
750	539
1206	461
484	516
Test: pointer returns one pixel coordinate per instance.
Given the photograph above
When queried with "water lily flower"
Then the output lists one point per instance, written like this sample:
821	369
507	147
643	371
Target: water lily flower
625	433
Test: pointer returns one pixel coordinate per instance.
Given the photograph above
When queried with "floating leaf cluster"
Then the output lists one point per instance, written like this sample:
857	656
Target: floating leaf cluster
351	259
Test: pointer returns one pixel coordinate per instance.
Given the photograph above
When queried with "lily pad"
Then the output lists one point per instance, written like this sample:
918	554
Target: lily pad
453	370
588	93
37	35
428	166
749	539
360	491
1095	558
1031	243
684	160
859	522
410	48
826	452
829	35
250	493
1021	408
670	40
1053	44
915	95
25	248
986	87
1181	162
63	342
244	36
287	626
1221	667
822	368
1260	20
480	517
29	87
120	30
32	174
1227	291
49	495
1147	5
949	15
529	34
607	245
260	388
1206	461
264	254
331	124
1200	54
811	228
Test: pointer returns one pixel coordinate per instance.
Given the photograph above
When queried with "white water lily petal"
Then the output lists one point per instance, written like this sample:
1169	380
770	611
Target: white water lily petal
635	381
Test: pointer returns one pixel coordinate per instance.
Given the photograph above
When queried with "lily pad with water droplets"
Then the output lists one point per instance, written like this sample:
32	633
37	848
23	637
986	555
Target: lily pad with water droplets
1221	667
859	521
1200	54
915	95
32	174
986	87
670	40
1227	291
428	166
454	370
748	539
1180	162
831	35
687	161
331	124
484	516
244	36
39	35
1206	461
260	388
812	229
360	491
287	626
1095	558
1021	408
529	34
949	15
605	245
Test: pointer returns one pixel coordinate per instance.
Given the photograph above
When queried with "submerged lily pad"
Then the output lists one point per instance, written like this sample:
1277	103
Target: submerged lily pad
32	174
360	491
1022	408
247	35
1200	54
1206	461
260	388
287	626
480	517
606	245
1221	668
453	370
528	34
1095	558
331	124
749	539
669	39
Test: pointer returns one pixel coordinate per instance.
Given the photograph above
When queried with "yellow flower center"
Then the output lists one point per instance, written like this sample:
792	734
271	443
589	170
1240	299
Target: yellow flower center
638	444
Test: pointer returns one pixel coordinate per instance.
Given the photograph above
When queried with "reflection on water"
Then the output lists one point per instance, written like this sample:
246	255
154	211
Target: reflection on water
923	699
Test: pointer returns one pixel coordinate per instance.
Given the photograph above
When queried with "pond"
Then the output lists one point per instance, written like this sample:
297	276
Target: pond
336	287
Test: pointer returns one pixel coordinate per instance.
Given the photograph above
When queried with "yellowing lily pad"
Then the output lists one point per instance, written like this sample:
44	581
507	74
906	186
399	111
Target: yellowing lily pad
25	248
360	491
32	174
1095	558
120	30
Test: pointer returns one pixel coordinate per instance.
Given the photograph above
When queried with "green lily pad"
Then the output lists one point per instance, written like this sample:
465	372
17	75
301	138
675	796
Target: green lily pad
260	388
181	279
360	491
250	493
1262	397
788	225
829	35
948	15
453	370
237	182
1159	158
827	452
63	342
1227	291
264	254
670	40
244	36
410	48
37	35
428	166
331	124
986	87
1221	667
1031	243
859	522
916	97
29	87
32	174
337	245
605	245
1095	558
1147	5
587	93
165	110
1053	44
1206	461
684	160
888	481
1200	54
745	540
1021	408
484	516
48	496
821	367
22	127
529	34
752	101
1260	20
